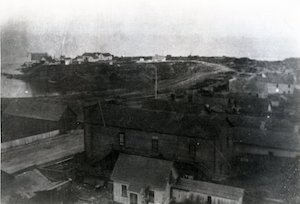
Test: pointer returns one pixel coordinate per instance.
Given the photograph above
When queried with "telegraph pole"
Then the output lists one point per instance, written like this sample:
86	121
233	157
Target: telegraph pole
155	82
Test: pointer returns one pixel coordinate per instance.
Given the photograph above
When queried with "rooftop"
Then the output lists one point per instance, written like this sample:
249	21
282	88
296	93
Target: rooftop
36	109
141	172
181	124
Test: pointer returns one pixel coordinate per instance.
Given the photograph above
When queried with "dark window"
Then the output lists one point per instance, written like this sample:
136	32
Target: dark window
289	85
277	85
209	200
271	154
122	138
227	141
151	196
155	144
192	150
124	191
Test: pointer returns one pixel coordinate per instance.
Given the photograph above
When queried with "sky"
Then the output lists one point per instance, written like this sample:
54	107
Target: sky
259	29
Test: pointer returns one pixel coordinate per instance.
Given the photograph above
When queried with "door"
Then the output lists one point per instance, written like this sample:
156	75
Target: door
133	198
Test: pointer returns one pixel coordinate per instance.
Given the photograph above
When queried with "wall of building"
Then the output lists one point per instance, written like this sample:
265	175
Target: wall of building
179	196
281	89
100	141
160	197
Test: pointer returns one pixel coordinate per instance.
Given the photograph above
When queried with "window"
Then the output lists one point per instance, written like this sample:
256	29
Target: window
192	150
154	144
124	191
209	200
151	196
227	142
122	138
271	154
289	85
277	85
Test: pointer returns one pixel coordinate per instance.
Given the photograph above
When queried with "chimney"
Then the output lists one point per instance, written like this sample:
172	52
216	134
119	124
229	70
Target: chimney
262	125
296	129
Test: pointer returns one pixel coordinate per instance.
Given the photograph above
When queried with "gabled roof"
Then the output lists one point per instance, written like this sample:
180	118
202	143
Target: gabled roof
141	172
181	124
211	189
36	110
267	138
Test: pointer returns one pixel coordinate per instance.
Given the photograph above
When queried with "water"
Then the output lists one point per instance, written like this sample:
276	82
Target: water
15	88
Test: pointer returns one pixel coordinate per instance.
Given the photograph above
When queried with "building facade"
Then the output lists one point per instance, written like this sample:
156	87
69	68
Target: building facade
158	134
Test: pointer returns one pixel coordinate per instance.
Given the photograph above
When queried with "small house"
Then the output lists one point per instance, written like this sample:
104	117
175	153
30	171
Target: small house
138	179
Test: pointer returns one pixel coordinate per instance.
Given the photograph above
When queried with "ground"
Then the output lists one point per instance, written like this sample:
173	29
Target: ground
272	182
25	156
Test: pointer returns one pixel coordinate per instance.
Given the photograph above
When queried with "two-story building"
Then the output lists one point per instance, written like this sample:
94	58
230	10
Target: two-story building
189	138
138	179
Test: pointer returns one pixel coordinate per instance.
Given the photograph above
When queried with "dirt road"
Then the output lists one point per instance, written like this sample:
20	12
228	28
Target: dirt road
25	156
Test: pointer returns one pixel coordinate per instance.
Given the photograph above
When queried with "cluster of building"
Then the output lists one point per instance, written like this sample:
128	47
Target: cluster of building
205	145
264	84
88	57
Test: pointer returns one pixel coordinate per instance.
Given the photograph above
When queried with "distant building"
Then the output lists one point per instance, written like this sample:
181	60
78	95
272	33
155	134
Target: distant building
79	60
192	191
38	57
138	180
23	118
277	83
263	84
97	56
68	61
158	58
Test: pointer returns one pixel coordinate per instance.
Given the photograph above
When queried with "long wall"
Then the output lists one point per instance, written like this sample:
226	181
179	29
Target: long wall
100	141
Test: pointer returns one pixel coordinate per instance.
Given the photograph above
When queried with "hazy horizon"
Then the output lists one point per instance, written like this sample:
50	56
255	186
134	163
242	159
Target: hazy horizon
263	30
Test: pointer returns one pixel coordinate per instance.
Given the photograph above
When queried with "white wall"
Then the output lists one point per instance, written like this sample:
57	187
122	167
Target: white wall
181	196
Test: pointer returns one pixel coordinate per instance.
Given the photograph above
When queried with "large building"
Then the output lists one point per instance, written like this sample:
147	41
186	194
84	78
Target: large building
97	56
24	118
188	138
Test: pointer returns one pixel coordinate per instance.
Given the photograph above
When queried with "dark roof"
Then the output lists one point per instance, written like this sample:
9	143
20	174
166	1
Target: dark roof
141	172
277	78
184	124
212	189
267	138
36	110
106	54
